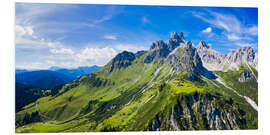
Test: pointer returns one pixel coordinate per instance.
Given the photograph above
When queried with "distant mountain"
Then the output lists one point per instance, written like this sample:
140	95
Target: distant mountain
18	71
76	72
168	87
216	61
44	79
55	76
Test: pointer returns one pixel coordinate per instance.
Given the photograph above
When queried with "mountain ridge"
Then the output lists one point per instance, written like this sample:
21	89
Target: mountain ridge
216	61
165	88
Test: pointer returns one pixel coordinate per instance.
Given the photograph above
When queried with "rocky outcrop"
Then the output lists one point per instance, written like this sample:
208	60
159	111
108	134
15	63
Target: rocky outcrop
160	49
200	111
157	50
245	76
186	59
212	60
175	40
243	55
122	60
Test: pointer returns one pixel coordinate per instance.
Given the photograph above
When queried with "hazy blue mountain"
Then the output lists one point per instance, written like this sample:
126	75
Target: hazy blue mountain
44	79
18	71
76	72
55	76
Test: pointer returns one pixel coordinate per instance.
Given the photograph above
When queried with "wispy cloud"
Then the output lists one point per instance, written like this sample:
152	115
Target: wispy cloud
145	19
222	21
67	51
96	22
227	22
233	37
243	44
252	30
111	37
30	30
232	28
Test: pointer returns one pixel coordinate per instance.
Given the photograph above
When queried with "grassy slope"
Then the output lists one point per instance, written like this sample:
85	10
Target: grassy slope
123	84
249	88
67	106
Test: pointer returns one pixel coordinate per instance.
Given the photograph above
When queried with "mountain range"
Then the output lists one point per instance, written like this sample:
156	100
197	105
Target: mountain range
52	77
172	86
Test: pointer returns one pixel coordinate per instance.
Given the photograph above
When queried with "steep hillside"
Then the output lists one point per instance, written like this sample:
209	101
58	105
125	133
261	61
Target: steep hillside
26	94
165	88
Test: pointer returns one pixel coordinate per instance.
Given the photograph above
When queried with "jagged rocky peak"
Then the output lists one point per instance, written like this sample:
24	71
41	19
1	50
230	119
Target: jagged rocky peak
188	45
203	44
159	49
122	60
186	59
212	60
158	45
175	40
178	36
215	61
245	55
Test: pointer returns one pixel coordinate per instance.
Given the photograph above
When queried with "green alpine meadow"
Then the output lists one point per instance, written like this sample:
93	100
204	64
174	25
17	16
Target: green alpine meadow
126	68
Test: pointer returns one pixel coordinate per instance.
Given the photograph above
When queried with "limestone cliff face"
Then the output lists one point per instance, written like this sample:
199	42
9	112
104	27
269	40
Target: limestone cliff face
243	55
212	60
215	61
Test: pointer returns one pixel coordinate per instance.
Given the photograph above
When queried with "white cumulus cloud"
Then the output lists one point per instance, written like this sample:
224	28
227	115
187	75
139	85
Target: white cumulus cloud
97	54
23	30
207	30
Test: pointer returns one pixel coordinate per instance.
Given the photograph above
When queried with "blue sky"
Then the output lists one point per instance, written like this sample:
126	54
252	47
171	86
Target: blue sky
72	35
